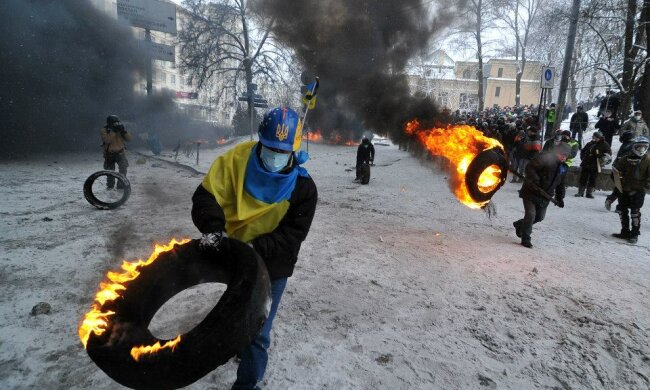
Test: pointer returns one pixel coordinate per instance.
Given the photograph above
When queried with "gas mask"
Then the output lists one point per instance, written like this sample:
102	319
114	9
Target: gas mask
274	161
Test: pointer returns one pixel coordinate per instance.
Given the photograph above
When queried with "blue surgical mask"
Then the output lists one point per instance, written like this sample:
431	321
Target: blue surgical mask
274	161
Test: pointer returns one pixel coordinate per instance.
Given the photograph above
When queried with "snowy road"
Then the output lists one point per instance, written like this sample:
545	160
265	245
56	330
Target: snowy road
398	285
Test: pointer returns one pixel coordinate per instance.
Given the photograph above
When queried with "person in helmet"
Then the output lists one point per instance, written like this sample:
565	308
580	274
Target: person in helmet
592	156
627	140
114	136
258	193
634	170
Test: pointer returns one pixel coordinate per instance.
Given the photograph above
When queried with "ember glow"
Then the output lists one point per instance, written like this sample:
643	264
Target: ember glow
459	144
313	136
96	320
137	352
221	141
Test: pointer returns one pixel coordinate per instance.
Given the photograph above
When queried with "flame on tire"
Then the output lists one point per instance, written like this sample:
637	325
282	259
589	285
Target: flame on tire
96	320
459	144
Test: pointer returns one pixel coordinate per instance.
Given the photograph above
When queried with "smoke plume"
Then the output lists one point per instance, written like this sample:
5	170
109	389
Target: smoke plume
66	66
359	49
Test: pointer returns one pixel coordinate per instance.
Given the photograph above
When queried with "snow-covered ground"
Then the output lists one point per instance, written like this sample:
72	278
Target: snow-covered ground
398	286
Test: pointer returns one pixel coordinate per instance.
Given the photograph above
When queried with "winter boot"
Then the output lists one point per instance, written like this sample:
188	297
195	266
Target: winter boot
636	226
590	193
624	234
581	192
517	225
625	223
527	244
608	204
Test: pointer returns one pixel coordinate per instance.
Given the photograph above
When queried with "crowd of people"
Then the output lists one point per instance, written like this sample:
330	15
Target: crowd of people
543	155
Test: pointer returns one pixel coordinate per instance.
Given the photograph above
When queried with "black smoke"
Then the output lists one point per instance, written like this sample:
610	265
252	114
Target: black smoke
359	49
65	67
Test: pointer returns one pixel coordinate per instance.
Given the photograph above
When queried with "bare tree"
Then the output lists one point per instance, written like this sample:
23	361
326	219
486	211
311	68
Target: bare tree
519	16
224	40
478	18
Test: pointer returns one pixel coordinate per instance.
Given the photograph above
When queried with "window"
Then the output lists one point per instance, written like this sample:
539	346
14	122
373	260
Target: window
500	73
467	74
498	91
172	79
163	77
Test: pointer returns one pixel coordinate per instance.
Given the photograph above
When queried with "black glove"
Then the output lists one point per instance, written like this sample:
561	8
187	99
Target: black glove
560	203
213	241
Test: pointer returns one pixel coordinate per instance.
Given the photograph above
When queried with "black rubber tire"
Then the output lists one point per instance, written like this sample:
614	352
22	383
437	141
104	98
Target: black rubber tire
92	199
365	174
483	160
231	325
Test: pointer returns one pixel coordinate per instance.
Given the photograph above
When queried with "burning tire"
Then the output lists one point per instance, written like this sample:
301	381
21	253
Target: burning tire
93	200
127	351
491	164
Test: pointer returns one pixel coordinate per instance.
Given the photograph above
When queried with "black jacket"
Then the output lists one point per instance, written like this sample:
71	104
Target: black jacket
607	127
365	152
548	173
592	151
279	248
579	121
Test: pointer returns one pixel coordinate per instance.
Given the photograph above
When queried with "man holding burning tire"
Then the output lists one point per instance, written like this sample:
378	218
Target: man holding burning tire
258	193
544	177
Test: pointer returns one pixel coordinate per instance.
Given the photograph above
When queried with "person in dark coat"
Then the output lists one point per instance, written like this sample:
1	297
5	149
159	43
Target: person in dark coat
610	103
635	180
365	155
579	123
608	125
594	156
527	145
627	140
258	193
546	172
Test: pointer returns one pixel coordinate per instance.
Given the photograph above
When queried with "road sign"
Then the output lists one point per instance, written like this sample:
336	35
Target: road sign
548	77
261	105
243	98
148	14
160	51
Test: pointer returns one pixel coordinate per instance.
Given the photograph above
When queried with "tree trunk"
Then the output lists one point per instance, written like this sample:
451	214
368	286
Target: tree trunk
479	51
644	94
628	61
574	65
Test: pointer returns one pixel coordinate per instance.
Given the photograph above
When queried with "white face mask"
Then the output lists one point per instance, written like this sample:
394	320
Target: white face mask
274	161
637	117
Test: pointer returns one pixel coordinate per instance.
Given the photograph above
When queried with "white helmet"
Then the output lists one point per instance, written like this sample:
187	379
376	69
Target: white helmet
640	145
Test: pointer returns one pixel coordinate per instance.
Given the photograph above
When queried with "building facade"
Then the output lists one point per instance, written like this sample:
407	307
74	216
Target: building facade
454	84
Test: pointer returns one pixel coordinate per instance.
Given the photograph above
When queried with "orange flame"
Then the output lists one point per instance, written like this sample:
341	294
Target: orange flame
137	352
459	144
313	136
96	321
221	141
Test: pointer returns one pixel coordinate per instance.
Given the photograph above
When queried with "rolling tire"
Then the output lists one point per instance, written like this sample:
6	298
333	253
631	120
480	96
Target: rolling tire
229	327
482	161
92	199
365	174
